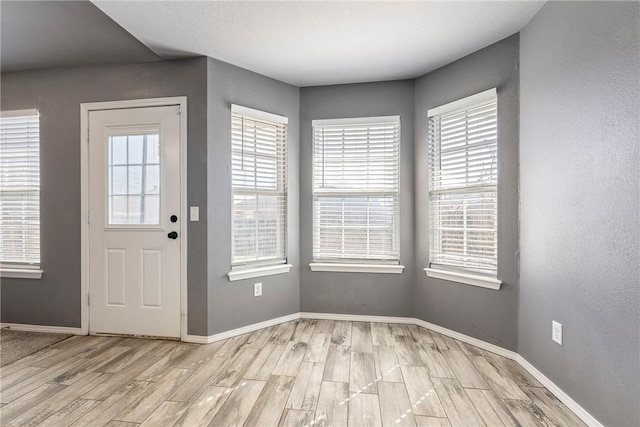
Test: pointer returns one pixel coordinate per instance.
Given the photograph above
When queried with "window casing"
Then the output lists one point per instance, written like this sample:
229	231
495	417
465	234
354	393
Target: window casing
259	182
19	190
463	179
356	174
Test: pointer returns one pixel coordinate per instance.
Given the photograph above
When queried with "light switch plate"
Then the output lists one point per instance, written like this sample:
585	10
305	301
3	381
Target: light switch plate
194	213
257	289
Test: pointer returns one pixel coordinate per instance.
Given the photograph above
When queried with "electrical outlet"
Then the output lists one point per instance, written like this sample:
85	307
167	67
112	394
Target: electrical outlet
257	289
556	332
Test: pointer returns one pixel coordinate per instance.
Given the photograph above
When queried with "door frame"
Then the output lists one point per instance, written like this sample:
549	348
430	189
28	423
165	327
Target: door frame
85	108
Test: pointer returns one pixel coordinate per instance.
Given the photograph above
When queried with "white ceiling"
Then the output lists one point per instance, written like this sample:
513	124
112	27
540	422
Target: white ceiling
309	43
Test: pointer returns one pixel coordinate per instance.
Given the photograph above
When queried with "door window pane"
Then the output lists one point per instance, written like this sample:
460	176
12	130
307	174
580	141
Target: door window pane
153	149
135	179
118	182
133	176
118	150
152	180
136	148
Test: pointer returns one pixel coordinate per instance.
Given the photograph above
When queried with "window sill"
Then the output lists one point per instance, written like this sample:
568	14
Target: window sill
250	273
357	268
21	273
467	279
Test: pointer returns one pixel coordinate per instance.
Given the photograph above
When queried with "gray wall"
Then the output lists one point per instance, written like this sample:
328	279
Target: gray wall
232	304
357	293
580	221
48	34
481	313
57	93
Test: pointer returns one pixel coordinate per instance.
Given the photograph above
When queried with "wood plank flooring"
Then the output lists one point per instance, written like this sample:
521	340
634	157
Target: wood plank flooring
301	373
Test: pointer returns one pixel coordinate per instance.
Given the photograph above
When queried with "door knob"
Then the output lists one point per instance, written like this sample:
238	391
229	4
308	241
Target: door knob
172	235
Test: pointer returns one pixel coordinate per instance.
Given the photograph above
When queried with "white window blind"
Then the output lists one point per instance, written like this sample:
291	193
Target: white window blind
259	180
356	173
463	166
20	188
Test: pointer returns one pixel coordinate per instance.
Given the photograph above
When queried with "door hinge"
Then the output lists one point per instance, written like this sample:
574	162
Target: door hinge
179	110
88	217
88	299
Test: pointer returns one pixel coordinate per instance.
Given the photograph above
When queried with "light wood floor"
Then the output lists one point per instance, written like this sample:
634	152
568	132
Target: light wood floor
302	373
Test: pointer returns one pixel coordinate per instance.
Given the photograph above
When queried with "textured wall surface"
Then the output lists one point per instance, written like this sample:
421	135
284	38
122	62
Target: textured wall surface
232	304
481	313
357	293
580	216
57	93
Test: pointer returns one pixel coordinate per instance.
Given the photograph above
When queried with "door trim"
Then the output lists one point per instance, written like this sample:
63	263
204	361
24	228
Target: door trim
85	109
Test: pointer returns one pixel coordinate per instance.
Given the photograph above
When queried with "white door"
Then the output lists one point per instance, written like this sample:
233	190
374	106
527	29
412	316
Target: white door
134	221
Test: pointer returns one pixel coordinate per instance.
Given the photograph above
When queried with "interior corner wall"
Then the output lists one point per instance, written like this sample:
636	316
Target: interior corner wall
357	293
580	196
55	299
232	304
482	313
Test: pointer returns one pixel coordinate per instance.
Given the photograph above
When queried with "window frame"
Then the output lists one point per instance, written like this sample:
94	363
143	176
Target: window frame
277	265
456	273
362	264
25	270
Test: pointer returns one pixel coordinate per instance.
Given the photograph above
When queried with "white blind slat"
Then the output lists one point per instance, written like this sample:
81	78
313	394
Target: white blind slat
463	202
356	166
259	181
20	188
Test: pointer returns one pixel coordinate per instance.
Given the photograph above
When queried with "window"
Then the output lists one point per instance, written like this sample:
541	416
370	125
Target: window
356	166
20	194
463	170
259	180
133	175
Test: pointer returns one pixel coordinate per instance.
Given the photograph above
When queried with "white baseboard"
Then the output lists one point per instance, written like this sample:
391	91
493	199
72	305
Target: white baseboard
413	321
42	328
553	388
557	392
469	340
196	339
550	385
358	318
200	339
